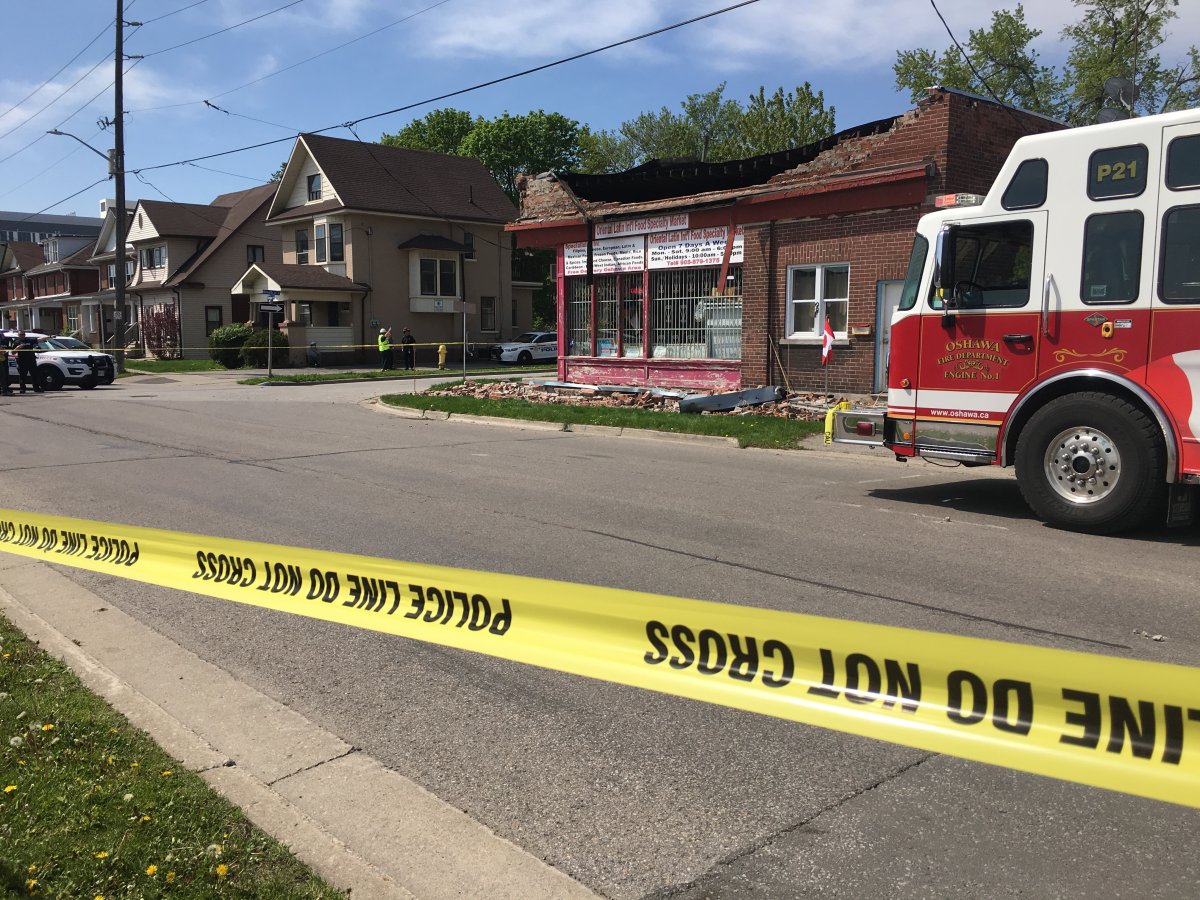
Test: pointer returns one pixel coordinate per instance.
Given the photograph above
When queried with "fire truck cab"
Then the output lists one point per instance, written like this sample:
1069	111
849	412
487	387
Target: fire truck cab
1054	325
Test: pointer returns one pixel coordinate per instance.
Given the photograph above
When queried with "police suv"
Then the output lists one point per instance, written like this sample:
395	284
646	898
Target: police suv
63	360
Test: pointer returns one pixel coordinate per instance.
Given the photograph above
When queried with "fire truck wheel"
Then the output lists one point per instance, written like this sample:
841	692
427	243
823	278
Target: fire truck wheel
1092	462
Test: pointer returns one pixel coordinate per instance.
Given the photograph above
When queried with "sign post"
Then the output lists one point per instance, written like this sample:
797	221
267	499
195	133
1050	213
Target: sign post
270	309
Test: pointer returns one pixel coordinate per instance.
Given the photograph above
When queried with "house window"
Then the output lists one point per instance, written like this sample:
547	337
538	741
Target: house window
212	319
72	319
319	243
255	253
514	312
429	277
305	313
154	257
447	278
469	242
487	313
337	247
301	246
314	187
814	294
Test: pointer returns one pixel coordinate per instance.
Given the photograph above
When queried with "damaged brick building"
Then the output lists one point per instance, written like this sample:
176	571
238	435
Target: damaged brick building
720	276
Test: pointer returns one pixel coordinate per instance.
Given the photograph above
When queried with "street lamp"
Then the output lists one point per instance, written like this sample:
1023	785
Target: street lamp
114	171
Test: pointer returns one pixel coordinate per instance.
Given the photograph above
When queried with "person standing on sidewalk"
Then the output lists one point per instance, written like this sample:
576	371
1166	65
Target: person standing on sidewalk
408	344
386	360
5	379
26	349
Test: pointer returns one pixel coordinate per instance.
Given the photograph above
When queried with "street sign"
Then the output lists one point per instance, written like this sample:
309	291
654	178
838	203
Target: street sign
270	307
271	294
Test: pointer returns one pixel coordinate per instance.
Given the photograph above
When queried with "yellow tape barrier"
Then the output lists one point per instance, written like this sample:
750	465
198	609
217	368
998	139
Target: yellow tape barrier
1120	724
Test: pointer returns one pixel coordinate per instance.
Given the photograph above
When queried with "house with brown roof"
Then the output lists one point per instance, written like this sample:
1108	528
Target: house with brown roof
376	236
16	259
44	295
96	311
722	275
186	257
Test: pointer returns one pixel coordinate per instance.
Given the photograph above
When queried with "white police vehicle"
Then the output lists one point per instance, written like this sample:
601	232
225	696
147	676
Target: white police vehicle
528	347
62	361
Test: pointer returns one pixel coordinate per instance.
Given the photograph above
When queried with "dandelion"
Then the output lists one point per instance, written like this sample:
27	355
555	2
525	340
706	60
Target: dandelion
10	788
145	818
16	741
213	849
49	726
31	869
98	897
110	760
31	884
3	695
135	764
222	870
170	877
127	797
167	773
151	869
103	854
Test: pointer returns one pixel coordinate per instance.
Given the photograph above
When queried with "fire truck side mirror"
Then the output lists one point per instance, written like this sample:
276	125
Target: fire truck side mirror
943	276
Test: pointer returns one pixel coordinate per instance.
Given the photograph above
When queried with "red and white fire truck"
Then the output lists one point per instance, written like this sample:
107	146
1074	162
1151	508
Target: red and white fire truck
1054	325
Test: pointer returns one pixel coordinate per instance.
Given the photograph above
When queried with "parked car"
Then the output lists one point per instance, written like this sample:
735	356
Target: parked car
62	361
527	347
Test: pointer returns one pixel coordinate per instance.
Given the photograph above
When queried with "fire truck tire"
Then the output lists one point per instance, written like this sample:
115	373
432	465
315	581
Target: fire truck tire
1092	462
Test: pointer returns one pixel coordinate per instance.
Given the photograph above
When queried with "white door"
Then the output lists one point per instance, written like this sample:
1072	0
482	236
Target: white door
887	299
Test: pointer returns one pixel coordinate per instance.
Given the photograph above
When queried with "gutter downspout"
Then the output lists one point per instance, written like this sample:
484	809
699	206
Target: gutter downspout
178	320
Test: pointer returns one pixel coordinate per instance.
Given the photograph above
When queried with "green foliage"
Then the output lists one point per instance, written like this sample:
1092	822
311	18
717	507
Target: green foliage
254	349
1122	38
1001	64
535	142
441	131
783	121
225	344
92	807
711	128
1113	38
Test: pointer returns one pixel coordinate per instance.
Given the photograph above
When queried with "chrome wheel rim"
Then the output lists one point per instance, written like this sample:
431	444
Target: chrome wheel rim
1083	465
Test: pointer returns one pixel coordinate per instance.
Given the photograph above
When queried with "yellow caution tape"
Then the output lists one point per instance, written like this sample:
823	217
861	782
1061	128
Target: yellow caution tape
1121	724
845	404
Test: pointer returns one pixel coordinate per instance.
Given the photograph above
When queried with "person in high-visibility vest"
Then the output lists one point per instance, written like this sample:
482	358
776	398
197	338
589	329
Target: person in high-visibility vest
386	361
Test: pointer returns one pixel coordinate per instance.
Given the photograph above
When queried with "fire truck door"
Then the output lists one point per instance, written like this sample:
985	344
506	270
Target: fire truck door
980	353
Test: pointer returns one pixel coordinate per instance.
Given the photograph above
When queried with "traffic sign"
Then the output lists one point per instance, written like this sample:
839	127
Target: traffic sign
271	294
270	307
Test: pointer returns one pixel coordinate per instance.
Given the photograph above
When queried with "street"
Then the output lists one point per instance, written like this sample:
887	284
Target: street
630	793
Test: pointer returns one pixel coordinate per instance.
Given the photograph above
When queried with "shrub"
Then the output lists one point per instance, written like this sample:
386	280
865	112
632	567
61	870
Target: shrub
225	344
160	328
254	350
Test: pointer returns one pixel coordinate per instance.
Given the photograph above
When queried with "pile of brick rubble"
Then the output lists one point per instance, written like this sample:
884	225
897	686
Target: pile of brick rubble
806	406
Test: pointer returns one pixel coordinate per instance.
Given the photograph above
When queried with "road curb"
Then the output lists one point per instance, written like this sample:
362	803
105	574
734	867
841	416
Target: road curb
303	785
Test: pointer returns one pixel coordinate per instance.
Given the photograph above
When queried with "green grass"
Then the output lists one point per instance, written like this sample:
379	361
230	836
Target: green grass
91	807
166	366
750	430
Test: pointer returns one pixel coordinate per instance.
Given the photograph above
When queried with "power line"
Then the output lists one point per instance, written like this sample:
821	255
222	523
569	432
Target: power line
176	12
64	199
295	65
16	105
205	37
466	90
971	65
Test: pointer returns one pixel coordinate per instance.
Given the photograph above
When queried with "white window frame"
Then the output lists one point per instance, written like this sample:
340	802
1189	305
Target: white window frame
440	263
821	301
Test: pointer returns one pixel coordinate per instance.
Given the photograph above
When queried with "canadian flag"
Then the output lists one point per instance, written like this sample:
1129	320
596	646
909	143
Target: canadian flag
826	343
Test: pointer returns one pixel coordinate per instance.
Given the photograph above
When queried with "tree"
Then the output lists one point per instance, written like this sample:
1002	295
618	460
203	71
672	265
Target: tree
999	63
1122	38
712	129
783	121
441	131
535	142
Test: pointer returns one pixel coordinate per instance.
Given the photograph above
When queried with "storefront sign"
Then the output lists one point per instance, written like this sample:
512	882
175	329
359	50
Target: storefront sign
623	254
699	247
645	225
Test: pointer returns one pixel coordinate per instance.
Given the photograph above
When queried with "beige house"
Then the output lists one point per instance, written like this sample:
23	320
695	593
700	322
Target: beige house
186	257
376	236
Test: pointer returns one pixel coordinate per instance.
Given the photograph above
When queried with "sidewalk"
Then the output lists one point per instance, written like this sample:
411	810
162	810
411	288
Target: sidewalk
365	828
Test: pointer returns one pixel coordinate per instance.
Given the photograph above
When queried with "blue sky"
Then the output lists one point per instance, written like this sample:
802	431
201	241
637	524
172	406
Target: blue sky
283	73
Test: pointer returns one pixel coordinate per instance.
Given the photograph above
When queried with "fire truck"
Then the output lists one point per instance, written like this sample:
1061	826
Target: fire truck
1054	326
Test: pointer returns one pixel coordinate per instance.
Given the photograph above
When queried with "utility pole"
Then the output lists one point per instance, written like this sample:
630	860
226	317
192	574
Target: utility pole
118	171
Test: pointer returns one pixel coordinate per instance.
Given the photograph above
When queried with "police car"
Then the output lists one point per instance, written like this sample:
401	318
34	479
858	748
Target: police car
528	347
61	361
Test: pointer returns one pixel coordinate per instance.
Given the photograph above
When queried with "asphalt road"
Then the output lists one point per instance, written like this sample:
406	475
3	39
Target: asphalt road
631	793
